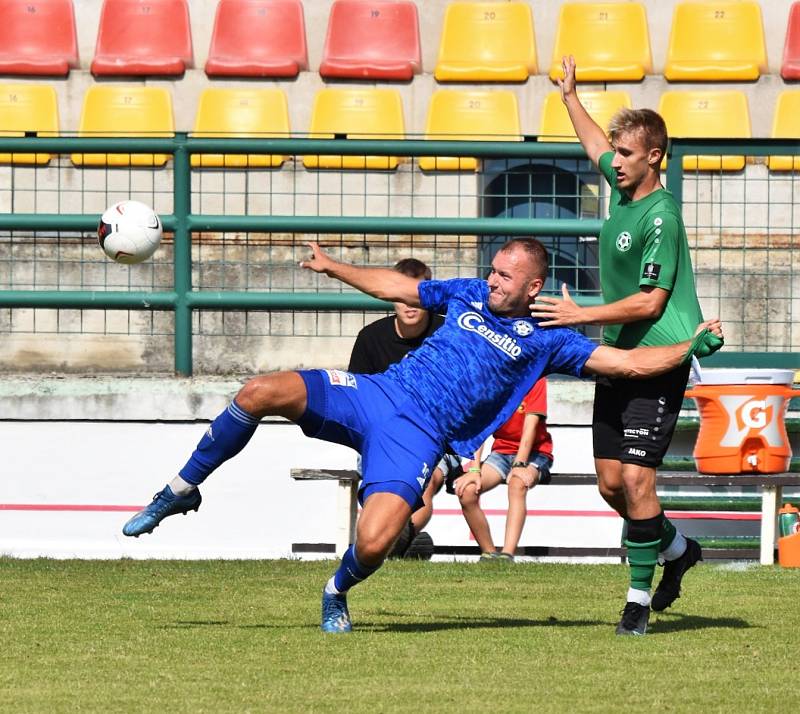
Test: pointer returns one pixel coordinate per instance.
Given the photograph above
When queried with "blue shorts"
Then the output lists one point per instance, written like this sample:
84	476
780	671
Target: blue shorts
502	464
399	448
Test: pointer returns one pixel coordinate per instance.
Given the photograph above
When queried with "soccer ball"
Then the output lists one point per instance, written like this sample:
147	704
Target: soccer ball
129	232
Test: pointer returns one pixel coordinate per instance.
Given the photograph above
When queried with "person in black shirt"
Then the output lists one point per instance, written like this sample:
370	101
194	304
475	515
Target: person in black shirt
385	342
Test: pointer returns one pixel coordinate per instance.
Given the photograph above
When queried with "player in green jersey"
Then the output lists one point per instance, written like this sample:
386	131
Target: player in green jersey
648	290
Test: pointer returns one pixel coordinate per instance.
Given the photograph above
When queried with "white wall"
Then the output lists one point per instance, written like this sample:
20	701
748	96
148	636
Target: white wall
67	484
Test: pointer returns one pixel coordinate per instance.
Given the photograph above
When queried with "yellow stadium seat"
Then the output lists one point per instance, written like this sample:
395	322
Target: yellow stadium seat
469	116
110	110
556	125
358	114
716	41
27	108
487	42
592	32
242	113
786	125
707	115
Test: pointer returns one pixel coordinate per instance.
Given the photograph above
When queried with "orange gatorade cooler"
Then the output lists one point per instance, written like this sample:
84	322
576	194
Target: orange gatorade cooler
742	428
789	542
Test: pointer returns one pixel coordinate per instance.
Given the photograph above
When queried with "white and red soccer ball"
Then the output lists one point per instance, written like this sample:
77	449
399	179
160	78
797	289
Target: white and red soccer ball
129	232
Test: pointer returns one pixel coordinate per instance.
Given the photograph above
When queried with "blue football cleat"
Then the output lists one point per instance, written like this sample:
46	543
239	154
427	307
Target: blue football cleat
165	503
335	617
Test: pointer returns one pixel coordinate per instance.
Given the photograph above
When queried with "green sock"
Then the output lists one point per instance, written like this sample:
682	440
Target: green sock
642	558
668	533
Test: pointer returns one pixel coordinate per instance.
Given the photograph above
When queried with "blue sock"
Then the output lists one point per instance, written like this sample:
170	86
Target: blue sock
350	571
226	437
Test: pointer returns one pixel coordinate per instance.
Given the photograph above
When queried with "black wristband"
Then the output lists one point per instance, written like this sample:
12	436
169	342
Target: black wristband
518	464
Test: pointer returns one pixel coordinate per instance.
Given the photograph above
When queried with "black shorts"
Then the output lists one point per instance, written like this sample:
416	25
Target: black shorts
634	419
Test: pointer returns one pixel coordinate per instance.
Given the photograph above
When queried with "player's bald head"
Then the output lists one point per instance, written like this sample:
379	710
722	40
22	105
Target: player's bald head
535	253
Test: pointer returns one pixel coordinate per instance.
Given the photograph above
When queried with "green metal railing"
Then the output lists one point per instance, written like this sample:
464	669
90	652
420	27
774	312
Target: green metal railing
183	222
184	298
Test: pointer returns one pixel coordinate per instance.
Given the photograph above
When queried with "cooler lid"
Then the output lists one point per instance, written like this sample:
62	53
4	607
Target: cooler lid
747	376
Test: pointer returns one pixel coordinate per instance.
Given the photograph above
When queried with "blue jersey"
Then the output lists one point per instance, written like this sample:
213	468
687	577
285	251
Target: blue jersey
472	373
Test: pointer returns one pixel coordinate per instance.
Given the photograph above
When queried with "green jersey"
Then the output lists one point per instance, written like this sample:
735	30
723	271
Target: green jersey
643	242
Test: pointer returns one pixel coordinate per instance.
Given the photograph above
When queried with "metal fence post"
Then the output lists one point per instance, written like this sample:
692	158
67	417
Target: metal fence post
182	270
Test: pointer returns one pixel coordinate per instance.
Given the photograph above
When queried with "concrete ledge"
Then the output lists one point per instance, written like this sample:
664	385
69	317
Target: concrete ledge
114	398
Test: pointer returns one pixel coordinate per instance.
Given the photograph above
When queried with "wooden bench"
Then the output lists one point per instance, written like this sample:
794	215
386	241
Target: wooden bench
771	491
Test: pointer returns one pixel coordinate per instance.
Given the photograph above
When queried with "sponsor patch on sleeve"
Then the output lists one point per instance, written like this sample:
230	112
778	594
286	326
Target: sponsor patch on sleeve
651	271
340	378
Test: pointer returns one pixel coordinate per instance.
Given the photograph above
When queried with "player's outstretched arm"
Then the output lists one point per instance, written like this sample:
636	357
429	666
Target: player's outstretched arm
643	362
647	304
382	283
592	136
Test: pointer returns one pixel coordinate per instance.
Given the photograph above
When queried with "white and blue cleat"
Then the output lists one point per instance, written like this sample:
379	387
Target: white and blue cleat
335	616
165	503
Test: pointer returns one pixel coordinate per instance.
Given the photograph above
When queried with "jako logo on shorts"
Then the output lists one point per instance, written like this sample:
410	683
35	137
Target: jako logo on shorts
473	322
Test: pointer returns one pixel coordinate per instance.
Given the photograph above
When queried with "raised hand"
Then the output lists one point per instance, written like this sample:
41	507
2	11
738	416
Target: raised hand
319	261
567	84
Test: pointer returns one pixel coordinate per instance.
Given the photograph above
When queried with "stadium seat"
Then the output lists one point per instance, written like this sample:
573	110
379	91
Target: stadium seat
241	113
786	125
707	115
357	114
487	42
790	69
470	116
716	41
27	108
258	38
592	31
372	40
111	110
143	38
37	37
556	125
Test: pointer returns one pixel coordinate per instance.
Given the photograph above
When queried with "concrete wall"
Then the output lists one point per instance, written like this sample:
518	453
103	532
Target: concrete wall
80	456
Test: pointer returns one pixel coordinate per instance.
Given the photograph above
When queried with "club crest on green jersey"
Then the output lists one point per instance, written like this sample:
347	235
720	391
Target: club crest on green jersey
624	242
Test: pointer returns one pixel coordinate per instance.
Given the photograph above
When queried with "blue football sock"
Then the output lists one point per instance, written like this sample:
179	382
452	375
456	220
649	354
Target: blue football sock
226	437
350	571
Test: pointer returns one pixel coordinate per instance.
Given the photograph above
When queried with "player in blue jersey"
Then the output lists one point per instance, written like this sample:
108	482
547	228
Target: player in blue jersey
401	420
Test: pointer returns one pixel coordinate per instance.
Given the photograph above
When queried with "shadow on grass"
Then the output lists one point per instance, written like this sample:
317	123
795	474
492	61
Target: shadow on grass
676	622
454	623
472	624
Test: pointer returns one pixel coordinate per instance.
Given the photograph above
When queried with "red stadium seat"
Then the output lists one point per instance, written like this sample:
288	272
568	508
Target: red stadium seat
37	37
258	38
790	69
143	38
372	40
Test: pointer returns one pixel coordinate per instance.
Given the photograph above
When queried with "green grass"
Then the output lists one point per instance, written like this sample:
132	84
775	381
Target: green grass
132	636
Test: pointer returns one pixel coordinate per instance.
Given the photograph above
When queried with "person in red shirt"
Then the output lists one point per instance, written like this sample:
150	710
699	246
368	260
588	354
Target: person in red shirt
521	457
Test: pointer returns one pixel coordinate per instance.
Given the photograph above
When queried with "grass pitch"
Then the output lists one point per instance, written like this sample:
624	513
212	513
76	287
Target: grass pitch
132	636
